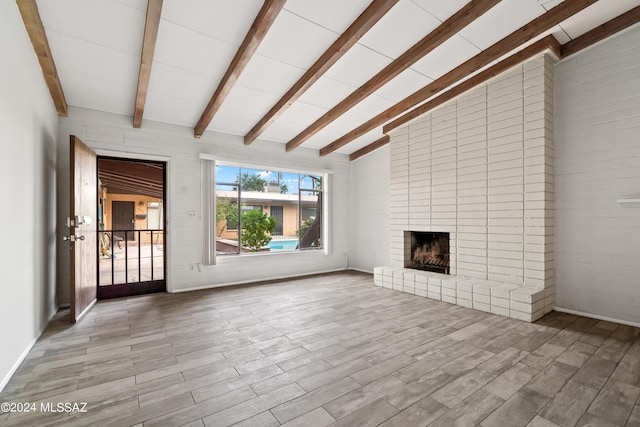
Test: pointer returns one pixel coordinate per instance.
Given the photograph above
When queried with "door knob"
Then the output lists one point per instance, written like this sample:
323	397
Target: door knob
72	238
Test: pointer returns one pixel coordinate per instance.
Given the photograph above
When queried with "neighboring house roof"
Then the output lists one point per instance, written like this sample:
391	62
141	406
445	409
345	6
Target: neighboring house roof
265	198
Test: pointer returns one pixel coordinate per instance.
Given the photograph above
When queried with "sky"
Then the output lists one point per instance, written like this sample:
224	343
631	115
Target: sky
229	173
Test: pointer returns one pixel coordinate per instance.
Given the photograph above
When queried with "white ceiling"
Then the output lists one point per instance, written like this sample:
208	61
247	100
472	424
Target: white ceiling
96	47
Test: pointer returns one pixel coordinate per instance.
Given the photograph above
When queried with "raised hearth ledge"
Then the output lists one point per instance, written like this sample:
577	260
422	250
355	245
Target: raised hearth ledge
514	301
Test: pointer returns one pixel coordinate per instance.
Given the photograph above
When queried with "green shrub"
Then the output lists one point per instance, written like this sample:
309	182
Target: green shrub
256	229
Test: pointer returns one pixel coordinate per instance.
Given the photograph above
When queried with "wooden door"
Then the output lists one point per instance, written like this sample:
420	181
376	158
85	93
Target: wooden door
123	219
83	227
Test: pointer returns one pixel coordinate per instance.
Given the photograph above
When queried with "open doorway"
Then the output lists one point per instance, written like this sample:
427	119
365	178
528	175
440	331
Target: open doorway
132	228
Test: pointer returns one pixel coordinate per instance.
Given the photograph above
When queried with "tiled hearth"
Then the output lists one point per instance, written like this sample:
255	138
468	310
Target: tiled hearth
514	301
480	168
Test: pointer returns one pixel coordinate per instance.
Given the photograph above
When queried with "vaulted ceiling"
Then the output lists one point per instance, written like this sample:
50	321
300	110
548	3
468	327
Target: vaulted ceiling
326	75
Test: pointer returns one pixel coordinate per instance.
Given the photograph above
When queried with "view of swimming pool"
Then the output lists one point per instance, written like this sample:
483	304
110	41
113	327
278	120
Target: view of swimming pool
283	245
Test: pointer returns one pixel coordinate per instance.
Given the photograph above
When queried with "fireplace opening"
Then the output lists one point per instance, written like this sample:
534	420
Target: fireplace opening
426	251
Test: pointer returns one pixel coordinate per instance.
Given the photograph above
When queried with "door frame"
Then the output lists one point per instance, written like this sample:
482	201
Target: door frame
122	155
134	288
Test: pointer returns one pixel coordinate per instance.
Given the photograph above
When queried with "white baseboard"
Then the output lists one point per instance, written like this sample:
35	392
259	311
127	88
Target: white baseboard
16	365
595	316
265	279
24	354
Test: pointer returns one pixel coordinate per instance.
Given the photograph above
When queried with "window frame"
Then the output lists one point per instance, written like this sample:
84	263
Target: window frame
209	164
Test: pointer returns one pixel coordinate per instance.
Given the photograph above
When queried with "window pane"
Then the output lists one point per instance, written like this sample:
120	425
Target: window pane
283	208
273	193
252	180
227	220
308	213
227	174
311	226
282	182
262	210
310	182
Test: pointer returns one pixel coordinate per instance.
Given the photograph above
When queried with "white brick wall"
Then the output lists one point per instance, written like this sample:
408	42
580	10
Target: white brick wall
472	183
420	184
598	161
399	196
481	168
505	177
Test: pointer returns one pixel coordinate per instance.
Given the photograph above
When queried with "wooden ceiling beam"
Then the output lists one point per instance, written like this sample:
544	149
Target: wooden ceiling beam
107	176
141	187
597	34
150	175
111	162
541	45
549	42
123	189
602	32
381	142
110	182
266	16
148	170
132	176
589	38
151	25
469	13
35	29
514	40
367	19
114	190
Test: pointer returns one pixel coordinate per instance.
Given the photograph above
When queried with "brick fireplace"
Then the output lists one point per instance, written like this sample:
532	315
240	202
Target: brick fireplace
480	168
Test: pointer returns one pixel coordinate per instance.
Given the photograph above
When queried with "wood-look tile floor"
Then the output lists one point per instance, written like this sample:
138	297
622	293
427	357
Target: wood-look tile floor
325	350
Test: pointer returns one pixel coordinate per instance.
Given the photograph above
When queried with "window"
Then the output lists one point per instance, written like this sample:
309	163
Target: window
308	213
260	210
247	208
232	221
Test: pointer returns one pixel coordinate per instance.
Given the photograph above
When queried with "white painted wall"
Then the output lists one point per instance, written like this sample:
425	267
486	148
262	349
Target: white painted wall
369	231
598	161
111	133
28	125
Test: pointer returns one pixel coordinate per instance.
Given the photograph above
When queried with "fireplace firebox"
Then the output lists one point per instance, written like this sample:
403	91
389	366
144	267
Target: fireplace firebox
427	251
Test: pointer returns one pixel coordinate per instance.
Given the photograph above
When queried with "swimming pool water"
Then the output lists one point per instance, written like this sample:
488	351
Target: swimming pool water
283	245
